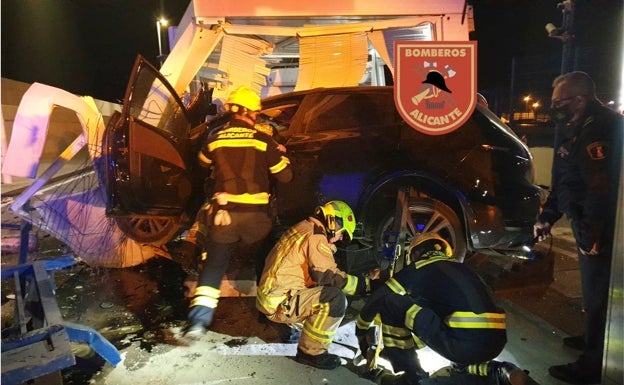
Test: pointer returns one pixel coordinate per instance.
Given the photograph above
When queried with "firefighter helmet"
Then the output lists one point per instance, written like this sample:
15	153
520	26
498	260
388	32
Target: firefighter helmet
429	242
244	97
435	78
337	217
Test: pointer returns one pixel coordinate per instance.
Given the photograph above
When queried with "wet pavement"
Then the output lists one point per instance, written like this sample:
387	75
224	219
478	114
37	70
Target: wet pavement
141	310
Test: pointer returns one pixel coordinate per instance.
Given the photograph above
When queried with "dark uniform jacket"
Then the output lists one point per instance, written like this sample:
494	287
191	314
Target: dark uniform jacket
449	288
241	156
585	171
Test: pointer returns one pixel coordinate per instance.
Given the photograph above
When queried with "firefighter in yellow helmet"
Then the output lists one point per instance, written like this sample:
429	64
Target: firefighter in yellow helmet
301	282
243	161
438	302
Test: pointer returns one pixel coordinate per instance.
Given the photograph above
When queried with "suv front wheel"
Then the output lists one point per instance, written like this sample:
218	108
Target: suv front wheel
427	215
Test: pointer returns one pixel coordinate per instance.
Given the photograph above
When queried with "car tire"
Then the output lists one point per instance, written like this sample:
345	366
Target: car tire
428	215
149	229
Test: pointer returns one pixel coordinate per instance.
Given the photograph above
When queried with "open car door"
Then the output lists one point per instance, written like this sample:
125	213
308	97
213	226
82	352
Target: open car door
150	157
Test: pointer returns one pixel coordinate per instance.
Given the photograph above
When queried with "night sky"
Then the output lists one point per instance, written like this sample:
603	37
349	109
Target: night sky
88	47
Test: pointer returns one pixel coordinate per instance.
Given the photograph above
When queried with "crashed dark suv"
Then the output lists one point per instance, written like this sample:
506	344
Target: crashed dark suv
473	186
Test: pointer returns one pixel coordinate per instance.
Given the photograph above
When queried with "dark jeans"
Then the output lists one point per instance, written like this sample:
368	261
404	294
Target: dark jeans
595	280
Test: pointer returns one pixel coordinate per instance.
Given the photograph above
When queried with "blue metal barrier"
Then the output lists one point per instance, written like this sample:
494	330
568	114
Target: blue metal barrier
38	343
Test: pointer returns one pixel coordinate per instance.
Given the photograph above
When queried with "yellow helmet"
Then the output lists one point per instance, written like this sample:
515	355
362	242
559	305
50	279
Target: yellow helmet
338	217
245	97
430	242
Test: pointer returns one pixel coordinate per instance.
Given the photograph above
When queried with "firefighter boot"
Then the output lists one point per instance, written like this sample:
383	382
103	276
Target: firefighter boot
200	318
506	373
320	361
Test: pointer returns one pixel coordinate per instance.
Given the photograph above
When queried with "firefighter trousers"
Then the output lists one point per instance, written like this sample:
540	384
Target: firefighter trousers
320	309
459	345
250	228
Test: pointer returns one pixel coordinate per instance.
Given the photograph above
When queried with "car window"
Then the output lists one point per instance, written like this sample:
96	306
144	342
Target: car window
154	102
280	117
348	110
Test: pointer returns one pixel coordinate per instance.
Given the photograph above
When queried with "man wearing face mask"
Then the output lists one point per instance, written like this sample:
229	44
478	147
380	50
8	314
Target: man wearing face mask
585	178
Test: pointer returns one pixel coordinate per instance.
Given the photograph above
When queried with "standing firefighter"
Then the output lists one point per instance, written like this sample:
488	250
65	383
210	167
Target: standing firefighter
302	284
242	161
437	301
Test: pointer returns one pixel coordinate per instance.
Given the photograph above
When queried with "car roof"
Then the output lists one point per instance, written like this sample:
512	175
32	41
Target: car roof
355	89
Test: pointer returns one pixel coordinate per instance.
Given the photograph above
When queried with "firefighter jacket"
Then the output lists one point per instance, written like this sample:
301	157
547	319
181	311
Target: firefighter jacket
450	289
240	157
301	259
585	173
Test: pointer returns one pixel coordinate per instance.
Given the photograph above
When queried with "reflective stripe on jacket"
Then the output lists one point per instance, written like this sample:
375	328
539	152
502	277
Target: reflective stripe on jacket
452	290
242	160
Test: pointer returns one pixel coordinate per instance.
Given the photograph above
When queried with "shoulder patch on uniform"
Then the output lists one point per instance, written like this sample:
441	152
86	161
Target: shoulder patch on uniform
597	150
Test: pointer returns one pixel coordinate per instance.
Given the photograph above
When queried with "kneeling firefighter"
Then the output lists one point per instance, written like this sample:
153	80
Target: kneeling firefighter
301	282
439	302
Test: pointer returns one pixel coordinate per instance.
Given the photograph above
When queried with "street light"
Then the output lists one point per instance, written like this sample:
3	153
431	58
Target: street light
535	106
162	22
526	101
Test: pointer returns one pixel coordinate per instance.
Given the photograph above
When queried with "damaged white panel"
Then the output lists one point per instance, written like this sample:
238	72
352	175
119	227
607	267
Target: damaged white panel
30	127
240	60
332	60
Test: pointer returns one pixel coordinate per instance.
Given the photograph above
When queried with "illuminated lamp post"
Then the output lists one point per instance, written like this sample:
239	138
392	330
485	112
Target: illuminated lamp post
535	106
162	22
526	101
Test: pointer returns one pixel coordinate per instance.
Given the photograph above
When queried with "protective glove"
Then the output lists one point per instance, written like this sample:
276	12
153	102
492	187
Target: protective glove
363	344
222	218
541	230
367	340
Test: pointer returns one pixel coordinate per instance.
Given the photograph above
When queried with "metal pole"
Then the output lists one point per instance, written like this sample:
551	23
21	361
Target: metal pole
567	53
159	41
511	90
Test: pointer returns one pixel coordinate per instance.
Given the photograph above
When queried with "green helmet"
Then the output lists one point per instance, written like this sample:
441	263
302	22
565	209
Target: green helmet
338	217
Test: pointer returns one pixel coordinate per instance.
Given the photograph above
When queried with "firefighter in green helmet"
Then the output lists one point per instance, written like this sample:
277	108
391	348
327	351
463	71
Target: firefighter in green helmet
301	283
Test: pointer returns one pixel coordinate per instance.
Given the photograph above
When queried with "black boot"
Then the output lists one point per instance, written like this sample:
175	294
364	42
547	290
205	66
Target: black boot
320	361
578	372
575	342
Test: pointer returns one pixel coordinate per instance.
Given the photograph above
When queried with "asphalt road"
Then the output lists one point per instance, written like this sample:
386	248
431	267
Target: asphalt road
141	311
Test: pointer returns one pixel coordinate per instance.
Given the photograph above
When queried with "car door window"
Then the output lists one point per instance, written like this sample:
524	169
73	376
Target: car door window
347	111
155	103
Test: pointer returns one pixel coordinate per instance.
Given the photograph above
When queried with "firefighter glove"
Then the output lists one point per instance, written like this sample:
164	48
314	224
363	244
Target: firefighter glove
541	230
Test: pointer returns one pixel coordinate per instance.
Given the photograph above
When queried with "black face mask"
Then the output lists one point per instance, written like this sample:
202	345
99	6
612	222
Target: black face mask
560	115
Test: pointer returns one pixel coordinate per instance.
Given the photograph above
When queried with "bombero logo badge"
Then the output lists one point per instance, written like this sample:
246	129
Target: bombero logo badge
436	84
